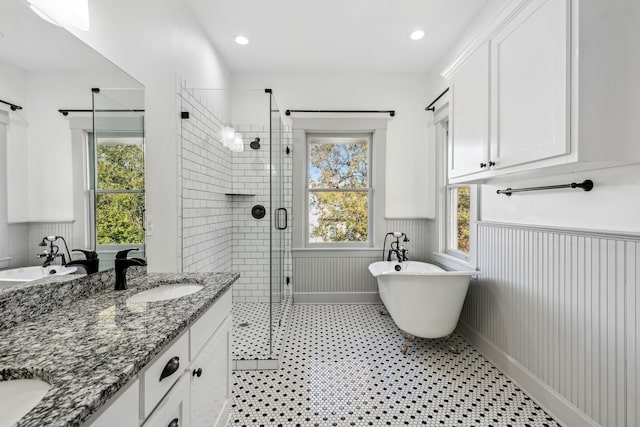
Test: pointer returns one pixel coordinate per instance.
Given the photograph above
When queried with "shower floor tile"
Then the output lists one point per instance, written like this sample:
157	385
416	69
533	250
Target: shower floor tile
341	366
251	329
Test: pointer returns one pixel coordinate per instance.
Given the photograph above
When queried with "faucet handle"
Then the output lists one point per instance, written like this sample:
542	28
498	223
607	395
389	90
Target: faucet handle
124	253
88	254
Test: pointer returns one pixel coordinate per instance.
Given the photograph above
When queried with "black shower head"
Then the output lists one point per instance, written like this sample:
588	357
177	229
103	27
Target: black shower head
255	144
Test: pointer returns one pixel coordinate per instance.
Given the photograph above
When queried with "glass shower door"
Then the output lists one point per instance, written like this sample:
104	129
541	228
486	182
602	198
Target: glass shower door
117	157
280	220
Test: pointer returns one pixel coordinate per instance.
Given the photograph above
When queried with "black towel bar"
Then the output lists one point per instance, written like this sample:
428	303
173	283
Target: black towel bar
586	185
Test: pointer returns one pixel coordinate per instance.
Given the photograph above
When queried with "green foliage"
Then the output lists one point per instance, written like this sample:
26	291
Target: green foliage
119	216
463	218
339	216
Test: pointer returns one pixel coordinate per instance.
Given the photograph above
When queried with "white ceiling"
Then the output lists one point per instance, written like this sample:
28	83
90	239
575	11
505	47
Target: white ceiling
29	43
334	35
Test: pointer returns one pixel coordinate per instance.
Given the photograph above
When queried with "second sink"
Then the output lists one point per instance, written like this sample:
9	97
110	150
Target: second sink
166	292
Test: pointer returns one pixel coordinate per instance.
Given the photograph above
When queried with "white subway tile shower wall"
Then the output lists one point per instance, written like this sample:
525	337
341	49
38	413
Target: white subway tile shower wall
251	237
205	176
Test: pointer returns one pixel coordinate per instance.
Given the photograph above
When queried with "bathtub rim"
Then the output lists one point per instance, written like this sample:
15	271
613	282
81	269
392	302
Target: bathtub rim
442	271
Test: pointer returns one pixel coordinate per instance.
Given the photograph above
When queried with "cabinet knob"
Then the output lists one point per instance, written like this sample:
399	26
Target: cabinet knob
174	423
197	372
483	165
492	164
170	368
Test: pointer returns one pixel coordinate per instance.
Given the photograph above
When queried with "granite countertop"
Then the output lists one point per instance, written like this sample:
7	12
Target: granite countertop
91	347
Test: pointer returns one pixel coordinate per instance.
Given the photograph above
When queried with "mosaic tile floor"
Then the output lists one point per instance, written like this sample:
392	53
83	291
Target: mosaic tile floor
342	366
251	329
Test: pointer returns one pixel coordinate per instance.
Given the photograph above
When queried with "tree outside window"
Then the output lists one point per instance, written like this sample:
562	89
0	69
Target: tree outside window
339	188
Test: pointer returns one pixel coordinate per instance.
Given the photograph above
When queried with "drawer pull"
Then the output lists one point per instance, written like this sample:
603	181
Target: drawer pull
173	423
171	367
197	372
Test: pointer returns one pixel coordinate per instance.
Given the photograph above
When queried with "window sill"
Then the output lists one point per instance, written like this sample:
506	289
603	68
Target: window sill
452	263
336	252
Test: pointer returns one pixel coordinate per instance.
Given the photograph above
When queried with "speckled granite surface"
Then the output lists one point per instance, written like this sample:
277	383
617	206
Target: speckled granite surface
91	347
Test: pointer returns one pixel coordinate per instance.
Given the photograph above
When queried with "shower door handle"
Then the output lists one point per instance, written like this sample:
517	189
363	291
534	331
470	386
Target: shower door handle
286	219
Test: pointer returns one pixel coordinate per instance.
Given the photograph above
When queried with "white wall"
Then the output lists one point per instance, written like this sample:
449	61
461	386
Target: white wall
155	43
409	175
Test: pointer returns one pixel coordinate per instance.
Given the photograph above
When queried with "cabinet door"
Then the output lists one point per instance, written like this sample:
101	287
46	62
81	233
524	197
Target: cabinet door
211	389
530	82
123	411
468	146
173	410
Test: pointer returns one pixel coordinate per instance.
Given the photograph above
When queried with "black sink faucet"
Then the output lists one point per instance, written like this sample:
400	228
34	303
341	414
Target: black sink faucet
121	264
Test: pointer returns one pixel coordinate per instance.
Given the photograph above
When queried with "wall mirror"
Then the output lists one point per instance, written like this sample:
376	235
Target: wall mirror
72	155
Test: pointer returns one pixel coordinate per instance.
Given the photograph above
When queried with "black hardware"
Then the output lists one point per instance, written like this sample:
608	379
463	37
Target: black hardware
197	372
586	185
91	263
483	165
13	107
288	280
286	220
121	264
287	150
258	211
95	89
174	423
170	368
492	164
65	112
392	113
431	107
184	114
255	144
268	91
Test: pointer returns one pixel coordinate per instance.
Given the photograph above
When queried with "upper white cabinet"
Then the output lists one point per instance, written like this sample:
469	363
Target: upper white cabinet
533	91
469	121
530	84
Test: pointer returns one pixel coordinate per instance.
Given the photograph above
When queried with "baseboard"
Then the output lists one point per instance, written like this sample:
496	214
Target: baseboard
549	399
336	298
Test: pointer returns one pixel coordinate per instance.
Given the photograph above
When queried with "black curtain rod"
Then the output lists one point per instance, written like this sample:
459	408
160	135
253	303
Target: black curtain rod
13	107
392	113
66	112
586	185
431	107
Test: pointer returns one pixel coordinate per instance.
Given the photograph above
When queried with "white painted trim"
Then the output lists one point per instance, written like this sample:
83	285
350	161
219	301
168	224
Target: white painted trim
4	117
335	252
549	399
336	298
565	230
449	262
502	18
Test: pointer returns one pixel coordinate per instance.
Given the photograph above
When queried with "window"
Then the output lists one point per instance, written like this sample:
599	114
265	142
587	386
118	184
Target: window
456	212
119	190
458	215
339	189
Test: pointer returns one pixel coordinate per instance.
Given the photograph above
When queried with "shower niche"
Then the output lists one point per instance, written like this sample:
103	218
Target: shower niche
235	204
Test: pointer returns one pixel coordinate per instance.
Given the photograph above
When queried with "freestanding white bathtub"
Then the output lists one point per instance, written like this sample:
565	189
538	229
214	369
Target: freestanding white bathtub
423	299
27	274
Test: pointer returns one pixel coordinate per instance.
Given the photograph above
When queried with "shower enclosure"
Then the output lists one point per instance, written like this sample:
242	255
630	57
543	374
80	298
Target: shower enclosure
236	208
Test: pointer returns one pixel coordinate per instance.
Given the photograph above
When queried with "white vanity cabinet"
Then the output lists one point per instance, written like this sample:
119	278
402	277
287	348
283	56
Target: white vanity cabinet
533	91
187	384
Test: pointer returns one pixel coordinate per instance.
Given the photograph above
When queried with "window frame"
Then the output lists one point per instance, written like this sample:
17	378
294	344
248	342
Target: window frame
369	190
444	254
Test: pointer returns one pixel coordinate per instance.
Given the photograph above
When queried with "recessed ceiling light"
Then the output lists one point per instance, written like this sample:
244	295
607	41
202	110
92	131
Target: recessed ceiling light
242	40
416	35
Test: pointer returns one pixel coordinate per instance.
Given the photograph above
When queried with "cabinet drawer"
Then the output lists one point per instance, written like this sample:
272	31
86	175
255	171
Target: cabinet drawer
169	365
209	322
173	411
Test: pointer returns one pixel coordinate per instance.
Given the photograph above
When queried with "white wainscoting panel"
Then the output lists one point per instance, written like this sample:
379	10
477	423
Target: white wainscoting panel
345	277
563	304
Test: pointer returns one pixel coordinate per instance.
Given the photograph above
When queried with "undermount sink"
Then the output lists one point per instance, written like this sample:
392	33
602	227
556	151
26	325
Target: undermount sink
165	292
17	397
